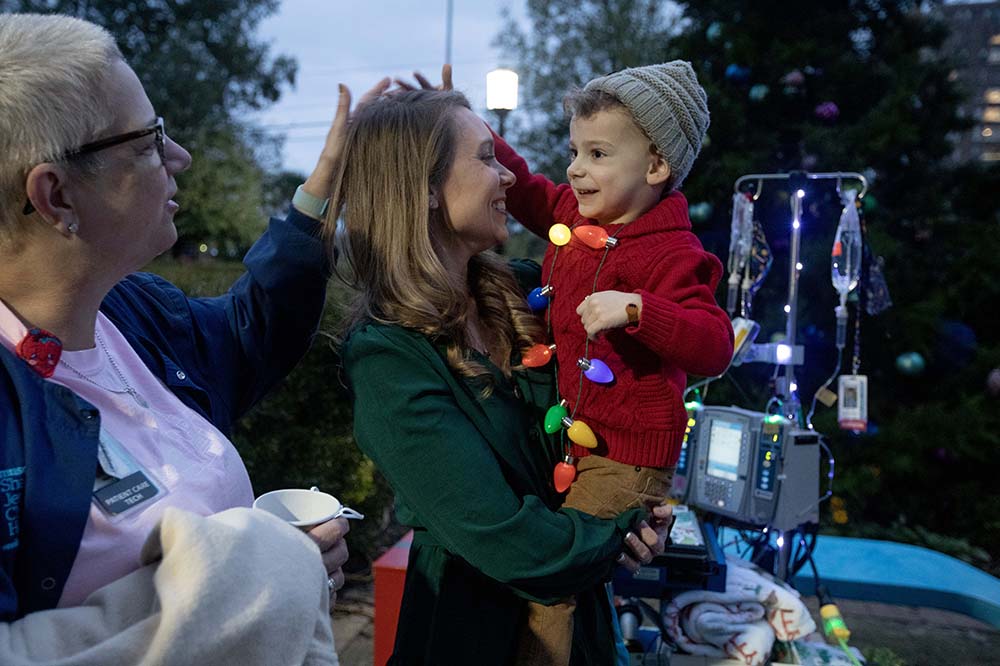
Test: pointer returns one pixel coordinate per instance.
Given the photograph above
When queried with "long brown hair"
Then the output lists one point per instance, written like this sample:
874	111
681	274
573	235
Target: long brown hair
398	148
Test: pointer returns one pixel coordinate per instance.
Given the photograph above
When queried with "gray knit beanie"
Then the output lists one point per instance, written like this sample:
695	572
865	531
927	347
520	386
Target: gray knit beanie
669	105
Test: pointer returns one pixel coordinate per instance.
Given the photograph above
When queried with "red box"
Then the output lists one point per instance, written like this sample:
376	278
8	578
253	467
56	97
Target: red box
390	572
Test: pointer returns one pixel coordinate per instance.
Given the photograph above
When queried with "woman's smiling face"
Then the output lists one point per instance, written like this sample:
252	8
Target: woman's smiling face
474	194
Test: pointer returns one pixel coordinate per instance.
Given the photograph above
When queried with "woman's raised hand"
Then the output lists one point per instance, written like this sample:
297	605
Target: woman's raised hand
321	179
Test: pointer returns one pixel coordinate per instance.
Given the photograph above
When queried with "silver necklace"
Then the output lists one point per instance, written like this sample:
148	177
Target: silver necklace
121	377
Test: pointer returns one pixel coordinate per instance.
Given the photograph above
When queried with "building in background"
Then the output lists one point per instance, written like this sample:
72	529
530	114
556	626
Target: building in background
974	45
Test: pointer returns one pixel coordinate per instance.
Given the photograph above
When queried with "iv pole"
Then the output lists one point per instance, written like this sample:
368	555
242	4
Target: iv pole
786	387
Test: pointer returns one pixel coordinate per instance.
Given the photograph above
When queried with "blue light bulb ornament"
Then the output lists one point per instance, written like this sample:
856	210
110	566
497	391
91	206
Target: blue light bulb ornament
539	298
596	370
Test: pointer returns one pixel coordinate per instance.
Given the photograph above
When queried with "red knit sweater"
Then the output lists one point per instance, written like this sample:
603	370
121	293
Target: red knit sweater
639	419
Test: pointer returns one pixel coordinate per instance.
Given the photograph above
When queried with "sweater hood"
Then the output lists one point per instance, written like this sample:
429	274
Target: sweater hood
670	214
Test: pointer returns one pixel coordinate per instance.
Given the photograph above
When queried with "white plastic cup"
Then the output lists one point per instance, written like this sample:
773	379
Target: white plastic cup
304	508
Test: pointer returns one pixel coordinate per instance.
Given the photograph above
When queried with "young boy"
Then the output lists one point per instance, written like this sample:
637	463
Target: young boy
645	306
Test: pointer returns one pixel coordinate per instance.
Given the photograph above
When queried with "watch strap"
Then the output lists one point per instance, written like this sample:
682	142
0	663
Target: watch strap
309	205
632	312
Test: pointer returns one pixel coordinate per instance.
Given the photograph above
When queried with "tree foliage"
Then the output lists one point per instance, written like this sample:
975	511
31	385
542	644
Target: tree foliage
203	67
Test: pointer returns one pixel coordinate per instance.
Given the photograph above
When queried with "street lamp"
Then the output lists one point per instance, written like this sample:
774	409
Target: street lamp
501	93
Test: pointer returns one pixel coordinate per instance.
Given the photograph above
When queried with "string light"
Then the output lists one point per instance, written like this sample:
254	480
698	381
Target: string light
594	236
580	433
554	417
596	370
559	234
537	355
538	299
564	474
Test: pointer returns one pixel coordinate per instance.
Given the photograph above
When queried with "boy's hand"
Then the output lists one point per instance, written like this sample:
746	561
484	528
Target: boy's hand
604	310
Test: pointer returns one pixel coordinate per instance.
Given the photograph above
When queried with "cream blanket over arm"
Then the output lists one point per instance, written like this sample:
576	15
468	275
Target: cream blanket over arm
240	587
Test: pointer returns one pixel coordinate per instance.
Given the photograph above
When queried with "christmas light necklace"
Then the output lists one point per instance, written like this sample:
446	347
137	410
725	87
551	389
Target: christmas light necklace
557	418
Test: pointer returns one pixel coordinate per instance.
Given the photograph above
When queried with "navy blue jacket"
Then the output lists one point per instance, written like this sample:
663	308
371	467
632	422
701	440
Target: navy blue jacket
219	355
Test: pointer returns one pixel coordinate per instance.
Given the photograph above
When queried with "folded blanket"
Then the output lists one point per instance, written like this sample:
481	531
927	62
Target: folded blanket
240	588
742	622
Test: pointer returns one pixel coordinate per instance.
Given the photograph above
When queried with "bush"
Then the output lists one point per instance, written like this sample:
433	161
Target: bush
300	435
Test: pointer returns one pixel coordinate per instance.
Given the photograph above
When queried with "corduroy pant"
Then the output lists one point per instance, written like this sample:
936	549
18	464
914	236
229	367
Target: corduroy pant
603	488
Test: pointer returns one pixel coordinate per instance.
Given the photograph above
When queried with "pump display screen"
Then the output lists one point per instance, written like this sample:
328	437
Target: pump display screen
725	439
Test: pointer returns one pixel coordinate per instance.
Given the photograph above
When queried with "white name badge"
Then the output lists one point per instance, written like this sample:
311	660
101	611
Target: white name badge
122	486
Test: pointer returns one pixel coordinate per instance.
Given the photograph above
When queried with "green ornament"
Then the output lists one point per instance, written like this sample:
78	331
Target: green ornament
869	204
554	417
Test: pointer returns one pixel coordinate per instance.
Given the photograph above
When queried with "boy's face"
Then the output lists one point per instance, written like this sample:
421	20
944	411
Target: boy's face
615	174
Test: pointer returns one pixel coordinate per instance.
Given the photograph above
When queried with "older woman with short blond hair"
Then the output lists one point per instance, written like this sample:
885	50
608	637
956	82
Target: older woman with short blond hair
111	380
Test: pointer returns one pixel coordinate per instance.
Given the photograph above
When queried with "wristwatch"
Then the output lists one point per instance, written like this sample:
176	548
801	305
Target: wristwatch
309	205
632	312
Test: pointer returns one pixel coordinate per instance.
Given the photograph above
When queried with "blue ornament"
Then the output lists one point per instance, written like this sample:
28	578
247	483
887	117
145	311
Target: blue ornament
759	92
538	299
737	73
714	31
956	343
910	363
700	212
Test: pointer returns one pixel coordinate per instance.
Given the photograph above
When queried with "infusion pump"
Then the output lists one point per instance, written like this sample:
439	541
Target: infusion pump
751	467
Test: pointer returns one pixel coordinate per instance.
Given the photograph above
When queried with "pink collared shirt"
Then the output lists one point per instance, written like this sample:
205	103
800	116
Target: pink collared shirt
195	465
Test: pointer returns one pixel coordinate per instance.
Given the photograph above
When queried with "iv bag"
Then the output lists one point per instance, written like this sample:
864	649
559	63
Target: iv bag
741	232
845	257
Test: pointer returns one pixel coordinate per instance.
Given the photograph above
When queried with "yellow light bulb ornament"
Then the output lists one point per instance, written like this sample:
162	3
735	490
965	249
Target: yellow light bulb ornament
559	234
580	433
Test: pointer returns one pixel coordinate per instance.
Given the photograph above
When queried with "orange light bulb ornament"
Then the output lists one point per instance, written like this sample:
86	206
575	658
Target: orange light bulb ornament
580	433
564	474
559	234
594	236
537	355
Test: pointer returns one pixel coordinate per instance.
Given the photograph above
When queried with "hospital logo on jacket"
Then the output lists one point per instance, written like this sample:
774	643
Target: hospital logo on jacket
11	489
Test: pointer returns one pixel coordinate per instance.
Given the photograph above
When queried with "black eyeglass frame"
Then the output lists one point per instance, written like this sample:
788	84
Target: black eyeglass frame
108	142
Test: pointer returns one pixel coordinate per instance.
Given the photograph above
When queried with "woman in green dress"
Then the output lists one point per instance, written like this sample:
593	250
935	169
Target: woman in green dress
441	402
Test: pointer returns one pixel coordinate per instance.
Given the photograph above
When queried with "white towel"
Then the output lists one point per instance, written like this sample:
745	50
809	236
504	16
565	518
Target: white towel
240	588
742	622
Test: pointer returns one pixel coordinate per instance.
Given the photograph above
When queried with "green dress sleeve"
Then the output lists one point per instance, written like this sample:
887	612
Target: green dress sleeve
408	419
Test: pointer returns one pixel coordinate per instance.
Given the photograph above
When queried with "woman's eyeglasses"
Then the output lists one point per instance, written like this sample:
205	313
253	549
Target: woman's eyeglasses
158	136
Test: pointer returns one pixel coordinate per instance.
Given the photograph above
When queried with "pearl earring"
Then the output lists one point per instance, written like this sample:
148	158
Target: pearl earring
72	227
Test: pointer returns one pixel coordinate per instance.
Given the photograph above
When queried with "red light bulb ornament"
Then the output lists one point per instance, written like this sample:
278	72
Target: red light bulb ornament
594	236
564	474
559	234
596	370
537	355
580	433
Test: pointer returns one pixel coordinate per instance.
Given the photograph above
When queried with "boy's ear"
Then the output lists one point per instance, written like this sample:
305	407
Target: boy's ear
659	170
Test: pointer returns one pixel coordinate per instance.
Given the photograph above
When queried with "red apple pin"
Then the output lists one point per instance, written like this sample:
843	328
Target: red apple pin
41	350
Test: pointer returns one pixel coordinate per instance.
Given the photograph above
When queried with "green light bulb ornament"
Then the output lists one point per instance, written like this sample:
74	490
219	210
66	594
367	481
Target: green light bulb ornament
554	417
